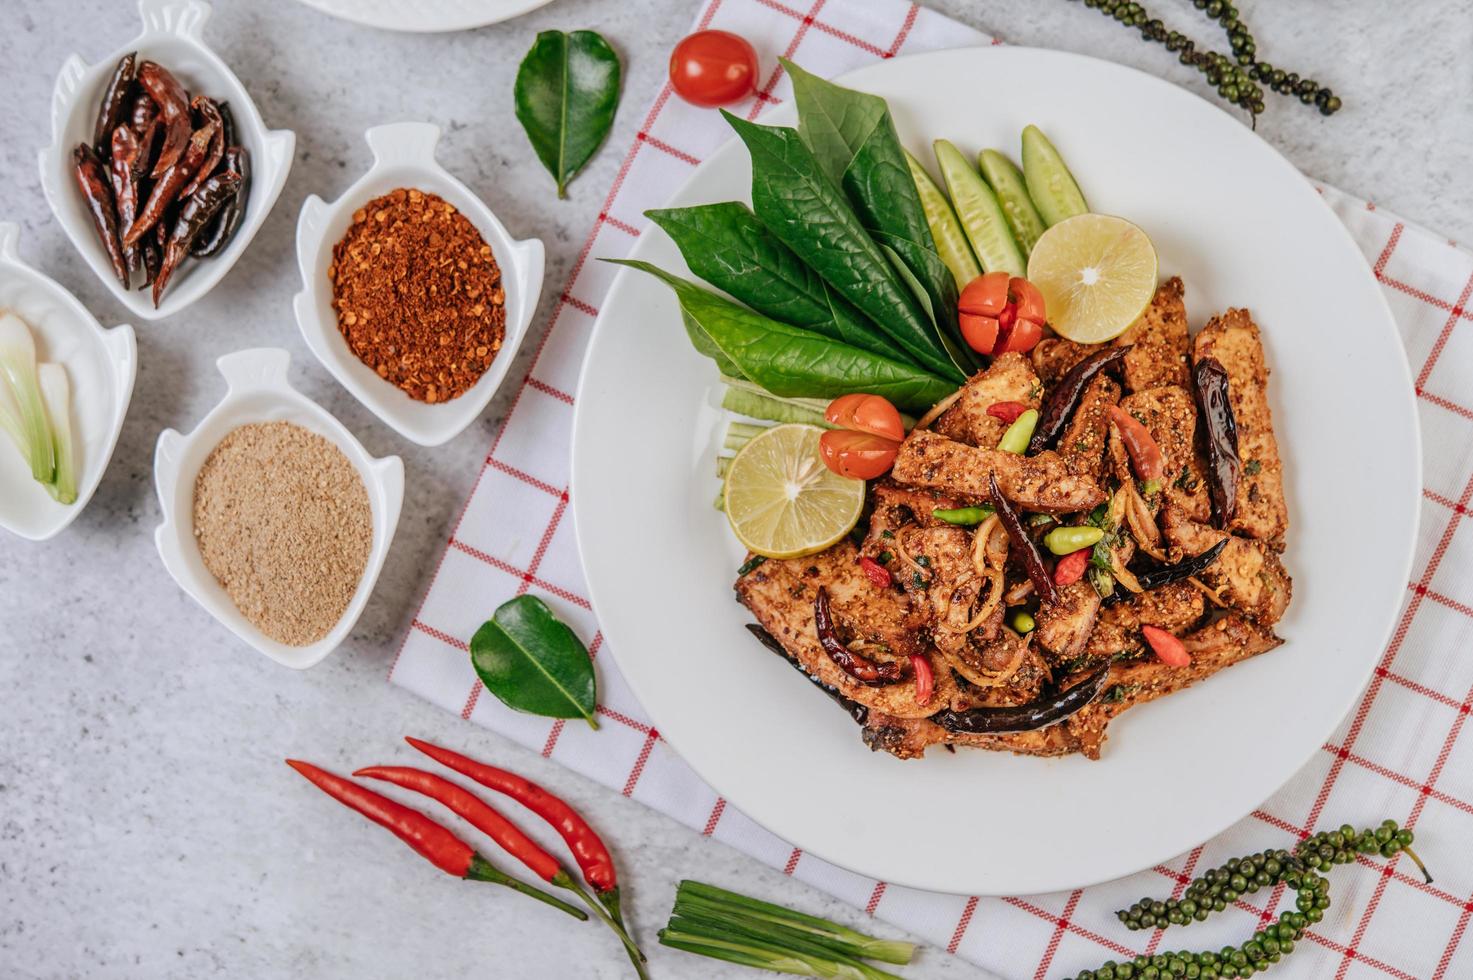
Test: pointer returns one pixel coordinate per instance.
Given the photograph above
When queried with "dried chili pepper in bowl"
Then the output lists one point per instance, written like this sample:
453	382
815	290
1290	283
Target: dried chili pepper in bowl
163	87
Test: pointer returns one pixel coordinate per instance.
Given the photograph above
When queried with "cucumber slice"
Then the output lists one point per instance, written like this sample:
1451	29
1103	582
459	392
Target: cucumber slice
759	405
946	231
1012	193
981	216
1050	183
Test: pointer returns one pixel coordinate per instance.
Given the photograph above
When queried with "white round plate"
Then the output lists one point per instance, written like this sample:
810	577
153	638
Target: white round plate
1241	227
426	16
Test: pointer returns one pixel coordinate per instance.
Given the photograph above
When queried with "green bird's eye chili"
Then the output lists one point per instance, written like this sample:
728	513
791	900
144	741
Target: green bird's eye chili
963	516
1015	439
1067	540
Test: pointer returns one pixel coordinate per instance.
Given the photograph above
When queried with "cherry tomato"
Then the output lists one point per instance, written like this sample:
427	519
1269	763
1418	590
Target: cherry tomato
713	68
1070	568
987	295
1168	649
875	572
858	455
866	413
925	679
1028	300
999	313
980	332
1024	336
1007	411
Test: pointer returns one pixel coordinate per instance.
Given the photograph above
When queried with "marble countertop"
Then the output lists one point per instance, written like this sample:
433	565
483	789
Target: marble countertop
147	825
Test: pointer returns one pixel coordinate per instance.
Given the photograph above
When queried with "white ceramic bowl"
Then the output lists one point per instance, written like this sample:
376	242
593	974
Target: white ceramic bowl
258	391
171	37
404	156
425	16
100	365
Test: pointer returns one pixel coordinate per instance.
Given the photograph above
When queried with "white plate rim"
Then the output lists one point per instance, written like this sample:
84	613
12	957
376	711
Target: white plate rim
427	16
1407	472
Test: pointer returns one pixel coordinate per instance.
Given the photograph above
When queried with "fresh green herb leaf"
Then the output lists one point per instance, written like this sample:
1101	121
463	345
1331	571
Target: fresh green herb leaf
884	557
729	248
853	138
1252	467
794	198
567	90
790	361
533	662
887	535
917	581
923	561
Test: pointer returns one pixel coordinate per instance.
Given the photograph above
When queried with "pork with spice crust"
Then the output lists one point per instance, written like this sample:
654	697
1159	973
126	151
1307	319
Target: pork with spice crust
1039	483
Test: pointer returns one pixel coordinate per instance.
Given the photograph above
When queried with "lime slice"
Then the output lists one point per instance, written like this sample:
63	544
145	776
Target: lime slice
1097	274
782	501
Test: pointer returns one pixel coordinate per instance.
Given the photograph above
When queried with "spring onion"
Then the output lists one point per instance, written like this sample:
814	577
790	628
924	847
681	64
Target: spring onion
18	368
56	393
723	925
744	401
738	434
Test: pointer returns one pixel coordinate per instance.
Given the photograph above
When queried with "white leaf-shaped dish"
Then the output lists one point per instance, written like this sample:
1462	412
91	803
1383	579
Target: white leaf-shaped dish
100	366
258	391
404	156
171	36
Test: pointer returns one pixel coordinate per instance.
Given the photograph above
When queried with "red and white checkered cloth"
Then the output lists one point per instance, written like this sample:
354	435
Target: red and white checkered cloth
1399	754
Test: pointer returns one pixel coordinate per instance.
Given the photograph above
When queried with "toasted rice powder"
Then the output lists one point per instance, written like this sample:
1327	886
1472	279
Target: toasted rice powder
283	522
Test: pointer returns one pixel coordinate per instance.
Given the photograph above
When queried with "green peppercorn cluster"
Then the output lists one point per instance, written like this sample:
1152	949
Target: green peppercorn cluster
1216	889
1235	77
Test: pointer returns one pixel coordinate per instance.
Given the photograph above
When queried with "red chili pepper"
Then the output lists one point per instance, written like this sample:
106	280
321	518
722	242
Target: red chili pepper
878	574
1145	454
1007	411
925	680
1070	568
593	858
484	817
430	840
476	812
1168	649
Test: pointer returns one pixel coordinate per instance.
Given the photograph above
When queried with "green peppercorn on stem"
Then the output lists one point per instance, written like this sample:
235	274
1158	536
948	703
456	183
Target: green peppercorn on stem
1215	889
1236	78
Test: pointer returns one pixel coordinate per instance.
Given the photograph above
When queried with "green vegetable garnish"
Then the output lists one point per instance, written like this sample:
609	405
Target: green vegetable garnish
533	662
789	361
1015	439
56	393
724	925
1050	184
795	198
567	90
28	423
964	516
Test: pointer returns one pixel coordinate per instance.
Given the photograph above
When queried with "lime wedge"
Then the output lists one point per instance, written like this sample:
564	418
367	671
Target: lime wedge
1097	274
782	501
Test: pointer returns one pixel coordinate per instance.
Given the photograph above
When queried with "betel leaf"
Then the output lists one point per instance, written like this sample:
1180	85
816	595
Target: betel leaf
533	662
794	198
852	136
791	362
566	92
729	248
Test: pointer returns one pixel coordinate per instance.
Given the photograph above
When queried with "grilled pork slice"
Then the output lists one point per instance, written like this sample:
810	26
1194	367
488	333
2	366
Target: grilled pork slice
1170	415
1052	357
1176	608
1234	340
1082	443
1248	576
871	621
1010	378
893	507
1158	354
1230	640
1064	625
1038	483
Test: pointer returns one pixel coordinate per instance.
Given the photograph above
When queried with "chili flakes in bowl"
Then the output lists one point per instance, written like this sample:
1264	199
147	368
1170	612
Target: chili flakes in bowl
418	294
